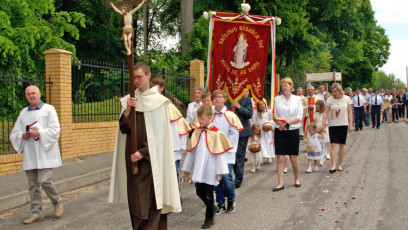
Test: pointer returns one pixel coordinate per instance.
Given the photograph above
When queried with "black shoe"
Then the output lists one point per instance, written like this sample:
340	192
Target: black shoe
356	130
230	207
278	189
298	185
378	127
220	208
237	185
373	126
332	171
207	224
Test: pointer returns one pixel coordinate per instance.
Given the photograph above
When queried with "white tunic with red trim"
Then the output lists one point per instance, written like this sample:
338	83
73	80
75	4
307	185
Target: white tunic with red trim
229	123
207	164
179	131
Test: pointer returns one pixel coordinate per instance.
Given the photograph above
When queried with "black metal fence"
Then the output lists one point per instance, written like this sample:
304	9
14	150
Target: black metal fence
12	101
98	86
96	90
177	89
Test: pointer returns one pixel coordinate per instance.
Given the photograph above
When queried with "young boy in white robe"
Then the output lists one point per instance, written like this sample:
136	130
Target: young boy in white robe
205	149
228	123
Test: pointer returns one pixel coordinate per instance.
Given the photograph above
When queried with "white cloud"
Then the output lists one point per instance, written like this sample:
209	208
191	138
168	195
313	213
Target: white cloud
390	11
398	61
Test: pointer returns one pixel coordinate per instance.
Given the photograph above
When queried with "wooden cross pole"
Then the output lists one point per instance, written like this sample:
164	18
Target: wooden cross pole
129	4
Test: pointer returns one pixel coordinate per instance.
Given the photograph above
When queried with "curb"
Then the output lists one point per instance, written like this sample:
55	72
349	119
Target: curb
20	198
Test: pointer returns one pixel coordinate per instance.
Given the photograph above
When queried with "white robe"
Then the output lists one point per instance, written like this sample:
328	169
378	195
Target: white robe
267	149
45	152
221	122
155	107
179	141
206	165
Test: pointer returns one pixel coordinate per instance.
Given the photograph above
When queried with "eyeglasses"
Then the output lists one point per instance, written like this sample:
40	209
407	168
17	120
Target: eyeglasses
219	97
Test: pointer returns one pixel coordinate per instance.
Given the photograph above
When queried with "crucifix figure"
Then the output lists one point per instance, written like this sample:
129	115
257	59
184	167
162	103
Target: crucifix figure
127	12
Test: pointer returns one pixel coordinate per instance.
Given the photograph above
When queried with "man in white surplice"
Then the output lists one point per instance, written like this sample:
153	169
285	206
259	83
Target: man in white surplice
36	134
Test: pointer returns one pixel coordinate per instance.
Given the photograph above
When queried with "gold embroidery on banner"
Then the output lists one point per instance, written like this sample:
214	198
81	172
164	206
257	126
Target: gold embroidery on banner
219	82
236	86
257	86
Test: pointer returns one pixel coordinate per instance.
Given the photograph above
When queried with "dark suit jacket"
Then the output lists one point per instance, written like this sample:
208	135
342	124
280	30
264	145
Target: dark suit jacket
244	114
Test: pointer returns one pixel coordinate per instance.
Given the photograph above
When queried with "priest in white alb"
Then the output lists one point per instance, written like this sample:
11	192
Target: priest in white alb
36	134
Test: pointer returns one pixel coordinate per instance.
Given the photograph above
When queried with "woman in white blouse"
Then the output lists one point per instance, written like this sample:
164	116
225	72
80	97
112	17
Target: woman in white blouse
288	114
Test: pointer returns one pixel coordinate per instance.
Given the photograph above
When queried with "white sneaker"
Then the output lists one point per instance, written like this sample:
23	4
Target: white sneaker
309	170
328	157
321	162
285	170
252	170
315	169
258	166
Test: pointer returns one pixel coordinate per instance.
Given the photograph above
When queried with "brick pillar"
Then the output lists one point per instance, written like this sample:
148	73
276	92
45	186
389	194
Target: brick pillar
196	73
58	69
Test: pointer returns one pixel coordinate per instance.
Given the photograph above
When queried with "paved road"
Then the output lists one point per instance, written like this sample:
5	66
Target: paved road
369	194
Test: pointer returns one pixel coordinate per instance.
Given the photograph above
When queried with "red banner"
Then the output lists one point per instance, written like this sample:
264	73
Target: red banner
239	58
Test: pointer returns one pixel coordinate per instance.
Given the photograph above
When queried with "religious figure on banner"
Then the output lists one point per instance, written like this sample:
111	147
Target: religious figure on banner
127	29
240	51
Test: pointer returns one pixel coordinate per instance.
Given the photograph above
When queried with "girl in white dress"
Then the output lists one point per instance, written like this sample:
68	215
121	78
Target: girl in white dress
255	158
313	147
263	117
325	140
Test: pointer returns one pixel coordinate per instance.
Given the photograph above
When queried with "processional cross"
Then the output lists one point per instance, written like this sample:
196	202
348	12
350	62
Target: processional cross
127	37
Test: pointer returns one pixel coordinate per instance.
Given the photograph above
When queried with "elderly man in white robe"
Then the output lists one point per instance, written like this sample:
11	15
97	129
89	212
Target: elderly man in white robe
36	134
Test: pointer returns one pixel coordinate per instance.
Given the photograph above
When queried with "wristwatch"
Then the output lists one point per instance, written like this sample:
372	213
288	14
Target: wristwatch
287	126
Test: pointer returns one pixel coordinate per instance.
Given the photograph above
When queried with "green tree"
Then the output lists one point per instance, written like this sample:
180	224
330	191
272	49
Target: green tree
28	28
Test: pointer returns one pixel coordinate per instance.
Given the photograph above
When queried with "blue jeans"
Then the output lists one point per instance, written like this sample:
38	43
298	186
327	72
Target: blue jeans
177	170
367	118
240	160
226	187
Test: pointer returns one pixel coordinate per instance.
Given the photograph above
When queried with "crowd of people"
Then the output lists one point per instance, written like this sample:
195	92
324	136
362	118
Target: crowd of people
219	136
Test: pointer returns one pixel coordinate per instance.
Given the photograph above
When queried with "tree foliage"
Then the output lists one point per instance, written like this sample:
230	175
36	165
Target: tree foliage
28	28
315	35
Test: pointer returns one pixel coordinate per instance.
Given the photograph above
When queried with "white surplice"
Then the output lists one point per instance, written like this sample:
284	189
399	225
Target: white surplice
45	152
206	165
179	141
221	122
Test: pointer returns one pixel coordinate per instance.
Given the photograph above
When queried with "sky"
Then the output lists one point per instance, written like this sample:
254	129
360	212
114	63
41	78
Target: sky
392	15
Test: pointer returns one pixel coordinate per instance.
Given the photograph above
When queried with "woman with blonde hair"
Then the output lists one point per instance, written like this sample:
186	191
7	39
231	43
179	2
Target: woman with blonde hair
288	114
338	111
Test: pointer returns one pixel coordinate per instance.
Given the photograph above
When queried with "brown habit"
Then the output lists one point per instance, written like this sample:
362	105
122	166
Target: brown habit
141	200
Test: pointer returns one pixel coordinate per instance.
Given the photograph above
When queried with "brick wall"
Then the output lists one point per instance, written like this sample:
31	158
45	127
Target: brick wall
76	139
79	139
197	73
